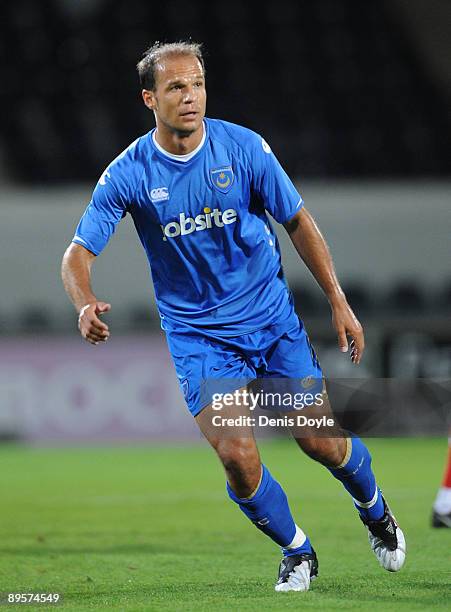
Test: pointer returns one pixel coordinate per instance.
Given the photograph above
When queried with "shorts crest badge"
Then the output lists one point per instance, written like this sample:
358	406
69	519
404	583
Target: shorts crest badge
222	178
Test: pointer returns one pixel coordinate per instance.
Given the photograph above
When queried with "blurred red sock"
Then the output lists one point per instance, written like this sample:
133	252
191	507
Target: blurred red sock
447	476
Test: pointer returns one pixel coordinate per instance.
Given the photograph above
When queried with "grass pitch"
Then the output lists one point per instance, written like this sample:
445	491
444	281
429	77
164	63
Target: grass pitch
152	529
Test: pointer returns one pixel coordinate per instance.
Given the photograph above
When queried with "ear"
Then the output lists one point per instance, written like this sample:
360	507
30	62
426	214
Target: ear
149	98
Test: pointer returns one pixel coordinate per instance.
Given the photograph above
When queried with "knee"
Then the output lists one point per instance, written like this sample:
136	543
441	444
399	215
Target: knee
237	455
328	451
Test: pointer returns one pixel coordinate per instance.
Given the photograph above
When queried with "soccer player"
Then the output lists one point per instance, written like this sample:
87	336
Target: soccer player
441	510
199	191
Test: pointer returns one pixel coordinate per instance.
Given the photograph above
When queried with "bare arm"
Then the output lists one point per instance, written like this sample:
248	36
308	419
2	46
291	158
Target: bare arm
76	275
311	246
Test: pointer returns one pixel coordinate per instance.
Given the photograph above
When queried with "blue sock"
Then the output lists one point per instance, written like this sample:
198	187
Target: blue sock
268	509
358	479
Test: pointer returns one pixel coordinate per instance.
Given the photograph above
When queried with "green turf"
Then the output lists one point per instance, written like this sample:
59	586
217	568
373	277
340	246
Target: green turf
152	529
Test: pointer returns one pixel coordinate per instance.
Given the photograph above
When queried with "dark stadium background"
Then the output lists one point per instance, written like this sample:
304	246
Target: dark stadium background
354	98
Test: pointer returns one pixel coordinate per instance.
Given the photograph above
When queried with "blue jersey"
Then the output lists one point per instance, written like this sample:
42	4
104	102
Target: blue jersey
214	256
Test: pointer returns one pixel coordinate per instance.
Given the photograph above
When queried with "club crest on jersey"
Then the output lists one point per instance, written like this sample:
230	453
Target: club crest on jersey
222	178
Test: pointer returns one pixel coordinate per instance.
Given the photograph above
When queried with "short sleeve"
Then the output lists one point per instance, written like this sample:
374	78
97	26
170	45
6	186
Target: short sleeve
99	221
280	197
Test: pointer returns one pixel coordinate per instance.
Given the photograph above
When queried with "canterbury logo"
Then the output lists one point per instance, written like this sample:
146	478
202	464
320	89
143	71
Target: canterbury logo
159	194
206	220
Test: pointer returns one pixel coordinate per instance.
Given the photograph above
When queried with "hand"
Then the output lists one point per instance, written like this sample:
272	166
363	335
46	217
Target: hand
347	324
92	329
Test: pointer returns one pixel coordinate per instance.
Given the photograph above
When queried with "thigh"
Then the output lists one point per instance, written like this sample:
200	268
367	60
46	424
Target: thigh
294	370
228	424
228	427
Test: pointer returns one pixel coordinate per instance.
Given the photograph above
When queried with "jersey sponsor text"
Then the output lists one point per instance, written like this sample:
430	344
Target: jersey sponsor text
206	220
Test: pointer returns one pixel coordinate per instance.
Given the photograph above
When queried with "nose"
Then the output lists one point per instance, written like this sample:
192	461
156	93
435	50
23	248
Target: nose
188	95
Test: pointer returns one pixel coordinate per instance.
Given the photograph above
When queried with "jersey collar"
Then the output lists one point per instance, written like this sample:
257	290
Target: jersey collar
183	159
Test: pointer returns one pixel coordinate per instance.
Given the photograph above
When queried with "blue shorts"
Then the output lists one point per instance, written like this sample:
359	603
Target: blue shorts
281	350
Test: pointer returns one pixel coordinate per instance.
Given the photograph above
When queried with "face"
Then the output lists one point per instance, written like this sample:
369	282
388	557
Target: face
179	98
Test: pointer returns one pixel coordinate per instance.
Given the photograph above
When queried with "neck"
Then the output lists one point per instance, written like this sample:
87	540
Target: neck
178	143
